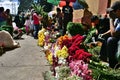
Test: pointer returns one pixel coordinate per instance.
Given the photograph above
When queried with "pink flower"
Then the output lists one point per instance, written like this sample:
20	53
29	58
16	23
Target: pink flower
80	68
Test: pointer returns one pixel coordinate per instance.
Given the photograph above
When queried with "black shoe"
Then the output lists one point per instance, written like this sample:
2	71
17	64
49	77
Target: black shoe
35	38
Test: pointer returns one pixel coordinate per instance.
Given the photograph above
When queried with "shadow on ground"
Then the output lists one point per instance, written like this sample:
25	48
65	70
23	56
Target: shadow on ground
4	50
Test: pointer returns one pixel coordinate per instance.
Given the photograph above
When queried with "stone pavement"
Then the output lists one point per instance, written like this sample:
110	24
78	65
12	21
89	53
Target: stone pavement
25	63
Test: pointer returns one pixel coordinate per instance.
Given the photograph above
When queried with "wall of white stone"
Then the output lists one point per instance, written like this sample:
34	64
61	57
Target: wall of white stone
13	6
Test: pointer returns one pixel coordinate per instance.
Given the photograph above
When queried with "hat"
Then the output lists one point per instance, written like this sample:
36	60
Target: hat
115	6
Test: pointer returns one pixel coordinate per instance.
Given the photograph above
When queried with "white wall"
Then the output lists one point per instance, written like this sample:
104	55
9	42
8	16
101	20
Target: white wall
13	6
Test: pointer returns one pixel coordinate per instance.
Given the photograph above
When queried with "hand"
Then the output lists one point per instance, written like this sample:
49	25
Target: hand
100	35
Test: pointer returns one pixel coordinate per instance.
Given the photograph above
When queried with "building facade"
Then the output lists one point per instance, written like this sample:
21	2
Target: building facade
12	5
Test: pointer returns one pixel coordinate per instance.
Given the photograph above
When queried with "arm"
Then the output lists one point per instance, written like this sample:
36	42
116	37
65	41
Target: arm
113	31
112	27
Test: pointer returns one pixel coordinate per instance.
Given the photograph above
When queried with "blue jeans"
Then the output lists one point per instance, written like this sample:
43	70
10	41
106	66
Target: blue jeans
103	51
112	45
108	50
36	30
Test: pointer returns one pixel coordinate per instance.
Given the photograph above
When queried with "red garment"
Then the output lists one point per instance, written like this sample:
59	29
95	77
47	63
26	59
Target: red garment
35	19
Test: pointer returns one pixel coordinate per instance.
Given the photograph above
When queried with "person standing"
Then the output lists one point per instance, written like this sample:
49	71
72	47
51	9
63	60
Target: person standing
27	24
67	11
36	21
9	17
17	20
9	21
3	17
59	17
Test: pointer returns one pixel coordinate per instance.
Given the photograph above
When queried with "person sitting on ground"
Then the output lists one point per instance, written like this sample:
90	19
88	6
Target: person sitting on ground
111	44
93	31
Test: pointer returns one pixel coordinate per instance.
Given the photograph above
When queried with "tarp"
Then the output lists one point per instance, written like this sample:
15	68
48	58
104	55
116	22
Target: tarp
77	5
54	2
63	3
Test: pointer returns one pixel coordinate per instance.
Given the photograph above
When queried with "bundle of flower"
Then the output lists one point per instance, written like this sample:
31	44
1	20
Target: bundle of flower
64	40
82	55
76	52
41	37
49	56
63	53
80	68
62	72
69	41
47	36
49	39
77	39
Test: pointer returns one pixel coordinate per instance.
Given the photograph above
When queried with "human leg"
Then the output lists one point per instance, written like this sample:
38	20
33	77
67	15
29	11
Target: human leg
103	51
36	27
111	51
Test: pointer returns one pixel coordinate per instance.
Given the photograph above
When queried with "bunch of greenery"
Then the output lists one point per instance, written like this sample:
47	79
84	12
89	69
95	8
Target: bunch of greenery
75	28
102	71
40	10
74	77
7	28
48	75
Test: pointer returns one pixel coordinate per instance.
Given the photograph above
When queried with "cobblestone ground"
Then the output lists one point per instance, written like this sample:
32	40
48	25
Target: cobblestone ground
25	63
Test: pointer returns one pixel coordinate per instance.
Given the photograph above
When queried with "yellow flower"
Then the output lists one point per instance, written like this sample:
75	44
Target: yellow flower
50	59
41	37
62	53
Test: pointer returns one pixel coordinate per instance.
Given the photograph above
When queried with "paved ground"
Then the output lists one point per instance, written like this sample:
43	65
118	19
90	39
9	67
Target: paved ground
24	63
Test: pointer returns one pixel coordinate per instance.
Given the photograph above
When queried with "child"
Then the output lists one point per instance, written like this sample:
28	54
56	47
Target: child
27	24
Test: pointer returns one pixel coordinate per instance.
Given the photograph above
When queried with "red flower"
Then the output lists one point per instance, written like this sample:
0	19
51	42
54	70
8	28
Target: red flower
81	55
72	49
67	43
77	39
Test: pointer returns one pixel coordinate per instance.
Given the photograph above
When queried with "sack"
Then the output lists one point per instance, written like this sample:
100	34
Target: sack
55	2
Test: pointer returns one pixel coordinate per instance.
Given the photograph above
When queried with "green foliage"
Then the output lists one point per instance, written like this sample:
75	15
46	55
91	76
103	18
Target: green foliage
38	8
7	28
75	28
74	77
48	75
102	71
94	50
91	33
